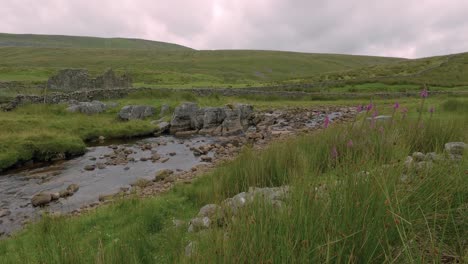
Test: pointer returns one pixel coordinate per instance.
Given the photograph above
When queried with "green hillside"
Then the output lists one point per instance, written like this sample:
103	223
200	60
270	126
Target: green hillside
190	67
448	71
57	41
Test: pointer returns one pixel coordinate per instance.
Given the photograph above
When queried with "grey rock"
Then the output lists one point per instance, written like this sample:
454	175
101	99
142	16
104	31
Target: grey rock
163	174
190	249
163	127
131	112
89	108
4	212
199	223
73	188
90	167
455	150
41	199
205	158
182	118
209	210
418	156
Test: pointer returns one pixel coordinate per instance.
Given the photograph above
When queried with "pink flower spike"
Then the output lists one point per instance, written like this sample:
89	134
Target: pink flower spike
350	143
359	108
326	122
432	109
369	107
396	106
334	152
424	93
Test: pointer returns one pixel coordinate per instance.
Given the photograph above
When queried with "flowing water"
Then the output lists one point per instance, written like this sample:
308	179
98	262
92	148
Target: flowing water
17	188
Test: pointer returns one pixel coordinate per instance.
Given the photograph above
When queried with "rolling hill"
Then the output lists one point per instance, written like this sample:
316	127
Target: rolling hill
58	41
31	59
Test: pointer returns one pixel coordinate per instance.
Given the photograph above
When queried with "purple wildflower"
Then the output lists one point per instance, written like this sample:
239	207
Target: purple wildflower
369	107
432	109
350	143
326	122
424	93
396	106
359	108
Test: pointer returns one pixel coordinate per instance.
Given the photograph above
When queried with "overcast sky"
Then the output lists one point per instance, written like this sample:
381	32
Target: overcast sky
401	28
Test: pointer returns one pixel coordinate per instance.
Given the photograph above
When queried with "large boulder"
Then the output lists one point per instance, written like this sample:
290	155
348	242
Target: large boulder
182	118
130	112
226	121
89	108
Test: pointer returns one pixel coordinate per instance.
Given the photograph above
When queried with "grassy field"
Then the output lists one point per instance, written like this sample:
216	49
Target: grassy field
199	68
364	213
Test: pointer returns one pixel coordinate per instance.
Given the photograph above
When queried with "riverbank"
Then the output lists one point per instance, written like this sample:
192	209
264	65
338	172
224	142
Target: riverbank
348	201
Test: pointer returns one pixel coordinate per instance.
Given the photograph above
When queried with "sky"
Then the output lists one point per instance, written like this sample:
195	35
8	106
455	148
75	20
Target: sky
399	28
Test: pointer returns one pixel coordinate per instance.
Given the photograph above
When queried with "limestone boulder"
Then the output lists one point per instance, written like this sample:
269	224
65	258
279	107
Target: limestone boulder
131	112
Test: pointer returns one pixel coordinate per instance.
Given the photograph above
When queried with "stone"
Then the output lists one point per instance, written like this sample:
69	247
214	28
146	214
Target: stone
182	117
142	183
89	108
205	158
164	160
455	150
199	223
132	112
163	127
90	167
409	162
41	199
210	210
101	165
4	212
101	138
418	156
432	156
73	188
382	118
55	196
188	133
213	117
64	194
190	249
178	223
163	174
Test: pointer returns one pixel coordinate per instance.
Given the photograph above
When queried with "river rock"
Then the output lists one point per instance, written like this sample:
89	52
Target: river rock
90	167
54	196
163	127
4	212
163	174
182	118
73	188
205	158
41	199
130	112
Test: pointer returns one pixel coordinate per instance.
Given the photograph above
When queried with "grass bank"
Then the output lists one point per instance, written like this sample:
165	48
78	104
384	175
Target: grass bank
40	132
347	204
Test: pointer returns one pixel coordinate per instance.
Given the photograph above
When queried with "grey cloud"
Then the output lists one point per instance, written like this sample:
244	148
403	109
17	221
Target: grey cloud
407	28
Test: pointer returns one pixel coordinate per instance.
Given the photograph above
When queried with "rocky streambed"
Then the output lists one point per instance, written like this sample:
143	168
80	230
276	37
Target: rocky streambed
201	138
